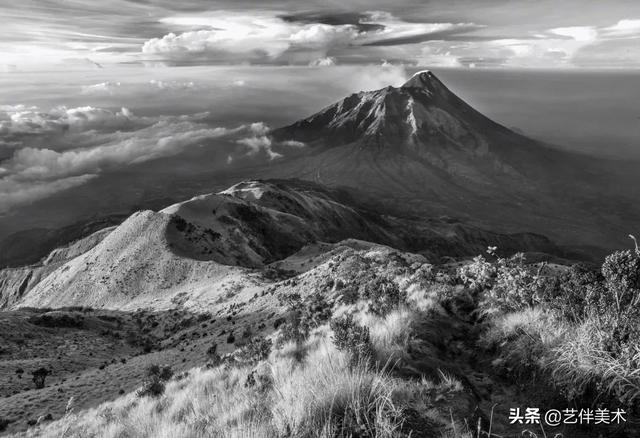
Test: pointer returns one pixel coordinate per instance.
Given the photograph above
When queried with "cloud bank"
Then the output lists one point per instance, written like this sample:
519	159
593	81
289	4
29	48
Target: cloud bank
101	141
465	33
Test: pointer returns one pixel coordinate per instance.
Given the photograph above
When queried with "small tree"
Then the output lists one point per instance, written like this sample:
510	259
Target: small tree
39	377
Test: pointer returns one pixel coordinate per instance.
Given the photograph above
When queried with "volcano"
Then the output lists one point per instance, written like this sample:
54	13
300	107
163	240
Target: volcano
424	122
421	149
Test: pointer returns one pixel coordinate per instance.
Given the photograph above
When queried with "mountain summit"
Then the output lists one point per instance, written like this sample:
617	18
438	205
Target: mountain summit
422	111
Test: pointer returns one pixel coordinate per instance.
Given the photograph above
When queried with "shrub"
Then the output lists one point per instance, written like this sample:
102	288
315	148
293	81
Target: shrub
212	353
179	223
303	316
383	295
575	292
352	338
616	306
154	384
621	271
255	351
278	274
507	284
39	377
58	320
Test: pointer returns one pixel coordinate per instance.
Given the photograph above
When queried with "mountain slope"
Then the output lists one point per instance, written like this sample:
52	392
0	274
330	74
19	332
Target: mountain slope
421	149
189	252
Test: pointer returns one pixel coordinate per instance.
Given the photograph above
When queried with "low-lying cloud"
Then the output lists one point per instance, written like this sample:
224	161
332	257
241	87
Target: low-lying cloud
101	141
260	143
30	120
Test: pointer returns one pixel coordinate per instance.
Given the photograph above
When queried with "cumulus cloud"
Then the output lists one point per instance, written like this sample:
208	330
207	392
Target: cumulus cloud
258	142
323	62
322	36
227	37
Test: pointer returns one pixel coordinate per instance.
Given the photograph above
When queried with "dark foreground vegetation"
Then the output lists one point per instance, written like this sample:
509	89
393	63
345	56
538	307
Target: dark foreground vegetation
386	346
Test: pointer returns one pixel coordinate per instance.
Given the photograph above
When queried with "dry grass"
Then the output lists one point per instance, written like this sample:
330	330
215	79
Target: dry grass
390	335
322	396
579	364
538	341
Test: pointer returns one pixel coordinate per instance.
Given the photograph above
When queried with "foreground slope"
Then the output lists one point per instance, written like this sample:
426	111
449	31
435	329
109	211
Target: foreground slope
366	341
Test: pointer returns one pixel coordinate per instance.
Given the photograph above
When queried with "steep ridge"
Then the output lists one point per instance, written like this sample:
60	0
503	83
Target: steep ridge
186	253
15	282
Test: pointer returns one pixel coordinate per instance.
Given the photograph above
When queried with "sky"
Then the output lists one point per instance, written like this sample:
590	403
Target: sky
89	90
45	34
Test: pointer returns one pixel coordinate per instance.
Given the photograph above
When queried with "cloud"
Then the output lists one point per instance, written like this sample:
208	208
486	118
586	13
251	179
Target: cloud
229	37
623	29
260	143
559	47
323	36
395	31
83	34
104	88
14	193
578	33
99	145
30	120
266	38
117	88
323	62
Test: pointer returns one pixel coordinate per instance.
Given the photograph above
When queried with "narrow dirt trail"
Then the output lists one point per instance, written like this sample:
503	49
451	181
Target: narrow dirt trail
449	344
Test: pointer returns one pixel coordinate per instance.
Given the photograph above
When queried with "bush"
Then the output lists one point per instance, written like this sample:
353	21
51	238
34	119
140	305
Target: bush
352	338
58	320
616	306
383	295
303	316
154	384
621	271
507	284
4	423
212	353
575	292
255	351
39	377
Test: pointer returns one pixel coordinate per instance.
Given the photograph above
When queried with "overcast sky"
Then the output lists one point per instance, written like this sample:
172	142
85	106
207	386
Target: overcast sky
43	34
